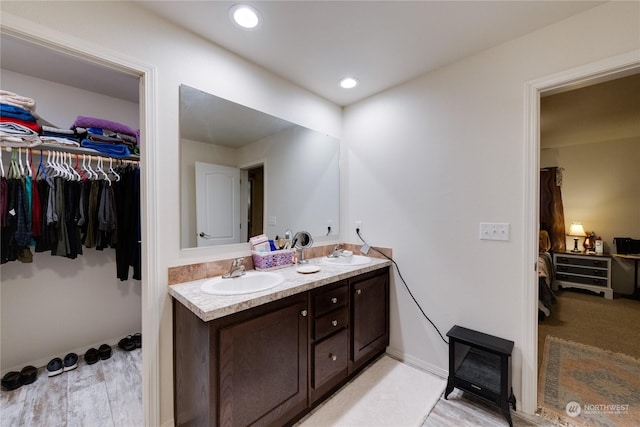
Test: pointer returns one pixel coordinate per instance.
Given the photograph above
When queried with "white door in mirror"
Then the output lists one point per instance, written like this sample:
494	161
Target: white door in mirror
217	204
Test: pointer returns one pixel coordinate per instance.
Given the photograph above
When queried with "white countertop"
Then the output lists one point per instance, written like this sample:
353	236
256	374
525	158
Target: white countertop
208	307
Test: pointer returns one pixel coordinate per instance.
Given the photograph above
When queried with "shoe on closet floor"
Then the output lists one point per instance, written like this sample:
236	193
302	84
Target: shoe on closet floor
104	351
28	374
91	356
70	362
12	380
137	339
127	343
54	367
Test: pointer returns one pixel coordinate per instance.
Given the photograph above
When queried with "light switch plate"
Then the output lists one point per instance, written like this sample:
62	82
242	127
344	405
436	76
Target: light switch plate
494	231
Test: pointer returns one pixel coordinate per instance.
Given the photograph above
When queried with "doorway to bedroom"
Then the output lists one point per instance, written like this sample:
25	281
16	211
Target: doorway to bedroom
590	133
590	142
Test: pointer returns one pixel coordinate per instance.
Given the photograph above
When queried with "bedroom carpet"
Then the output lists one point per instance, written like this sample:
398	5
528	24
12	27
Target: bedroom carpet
581	385
388	393
593	320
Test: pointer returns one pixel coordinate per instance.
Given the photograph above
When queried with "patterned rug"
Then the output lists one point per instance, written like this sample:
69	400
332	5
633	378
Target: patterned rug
580	385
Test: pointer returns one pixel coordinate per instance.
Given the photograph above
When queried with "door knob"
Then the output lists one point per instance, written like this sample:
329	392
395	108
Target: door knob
304	313
334	322
333	357
334	300
358	291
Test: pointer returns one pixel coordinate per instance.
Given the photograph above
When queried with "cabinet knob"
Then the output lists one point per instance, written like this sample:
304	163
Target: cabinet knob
333	357
304	313
358	291
334	322
334	300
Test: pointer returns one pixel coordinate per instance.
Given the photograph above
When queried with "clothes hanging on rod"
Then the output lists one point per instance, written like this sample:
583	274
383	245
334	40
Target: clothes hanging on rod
59	207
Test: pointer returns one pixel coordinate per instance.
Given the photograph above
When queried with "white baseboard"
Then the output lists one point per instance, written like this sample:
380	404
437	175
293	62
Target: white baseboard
418	363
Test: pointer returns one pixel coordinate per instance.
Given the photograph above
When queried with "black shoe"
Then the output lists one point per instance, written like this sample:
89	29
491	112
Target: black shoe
28	374
137	339
54	367
127	343
91	356
104	351
12	380
70	362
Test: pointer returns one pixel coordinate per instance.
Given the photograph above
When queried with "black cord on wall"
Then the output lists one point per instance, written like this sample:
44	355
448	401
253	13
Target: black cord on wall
405	285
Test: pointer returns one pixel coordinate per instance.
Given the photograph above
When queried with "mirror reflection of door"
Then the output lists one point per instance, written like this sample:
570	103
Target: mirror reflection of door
217	205
255	211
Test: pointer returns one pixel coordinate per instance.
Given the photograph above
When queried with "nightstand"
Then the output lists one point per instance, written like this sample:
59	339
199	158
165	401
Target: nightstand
583	271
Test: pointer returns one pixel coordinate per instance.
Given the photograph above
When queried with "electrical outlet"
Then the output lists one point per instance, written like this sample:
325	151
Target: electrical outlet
359	225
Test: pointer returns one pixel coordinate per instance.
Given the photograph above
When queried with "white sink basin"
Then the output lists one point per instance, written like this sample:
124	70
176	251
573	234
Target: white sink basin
347	261
252	281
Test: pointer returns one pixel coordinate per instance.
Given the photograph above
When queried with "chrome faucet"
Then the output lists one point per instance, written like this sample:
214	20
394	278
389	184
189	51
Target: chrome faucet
237	269
336	251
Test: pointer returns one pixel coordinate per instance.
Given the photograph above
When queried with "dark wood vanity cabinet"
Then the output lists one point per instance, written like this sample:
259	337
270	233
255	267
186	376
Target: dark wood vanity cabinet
249	368
269	365
263	366
370	317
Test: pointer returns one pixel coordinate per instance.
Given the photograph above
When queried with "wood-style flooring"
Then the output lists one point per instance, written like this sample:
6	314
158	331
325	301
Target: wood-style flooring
466	410
107	393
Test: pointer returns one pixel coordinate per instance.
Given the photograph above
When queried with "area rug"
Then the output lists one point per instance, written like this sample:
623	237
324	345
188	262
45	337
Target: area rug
581	385
388	393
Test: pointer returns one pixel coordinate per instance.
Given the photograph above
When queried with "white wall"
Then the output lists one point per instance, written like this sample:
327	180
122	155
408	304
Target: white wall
301	180
56	305
180	58
427	161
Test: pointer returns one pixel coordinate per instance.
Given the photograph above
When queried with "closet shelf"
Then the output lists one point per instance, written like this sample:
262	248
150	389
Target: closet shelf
74	150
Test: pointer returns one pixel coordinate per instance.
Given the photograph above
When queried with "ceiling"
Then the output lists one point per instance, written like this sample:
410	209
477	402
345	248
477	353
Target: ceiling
381	43
315	43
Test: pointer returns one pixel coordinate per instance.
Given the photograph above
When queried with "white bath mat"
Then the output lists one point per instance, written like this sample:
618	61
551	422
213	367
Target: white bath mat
388	393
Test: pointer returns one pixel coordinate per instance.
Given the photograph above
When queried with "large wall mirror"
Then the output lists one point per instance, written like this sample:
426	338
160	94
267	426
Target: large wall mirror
244	173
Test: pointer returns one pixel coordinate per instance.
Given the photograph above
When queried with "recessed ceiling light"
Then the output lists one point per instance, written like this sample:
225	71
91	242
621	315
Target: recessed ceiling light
245	16
348	83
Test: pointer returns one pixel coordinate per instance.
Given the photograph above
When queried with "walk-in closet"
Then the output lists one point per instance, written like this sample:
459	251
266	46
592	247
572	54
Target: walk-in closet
70	278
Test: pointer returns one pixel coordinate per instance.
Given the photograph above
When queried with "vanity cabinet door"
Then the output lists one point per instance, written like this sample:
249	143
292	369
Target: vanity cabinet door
370	321
263	365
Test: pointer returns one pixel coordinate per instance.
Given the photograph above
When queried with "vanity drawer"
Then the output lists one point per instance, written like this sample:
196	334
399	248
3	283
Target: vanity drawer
330	323
330	358
330	300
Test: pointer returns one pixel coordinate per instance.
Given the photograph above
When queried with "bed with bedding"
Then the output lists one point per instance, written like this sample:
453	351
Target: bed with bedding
546	297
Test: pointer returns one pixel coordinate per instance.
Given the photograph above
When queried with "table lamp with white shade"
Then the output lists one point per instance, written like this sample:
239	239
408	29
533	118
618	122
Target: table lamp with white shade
576	230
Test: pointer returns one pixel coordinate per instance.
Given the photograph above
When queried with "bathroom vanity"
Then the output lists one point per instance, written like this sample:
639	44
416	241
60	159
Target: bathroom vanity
267	358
